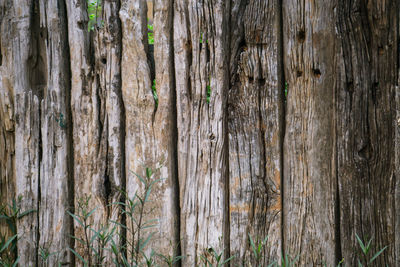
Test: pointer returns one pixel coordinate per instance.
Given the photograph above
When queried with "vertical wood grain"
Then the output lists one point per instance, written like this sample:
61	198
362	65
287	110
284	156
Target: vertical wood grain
309	164
201	70
367	59
255	130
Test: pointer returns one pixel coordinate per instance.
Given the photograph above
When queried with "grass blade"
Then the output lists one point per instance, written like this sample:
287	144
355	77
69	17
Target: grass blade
377	254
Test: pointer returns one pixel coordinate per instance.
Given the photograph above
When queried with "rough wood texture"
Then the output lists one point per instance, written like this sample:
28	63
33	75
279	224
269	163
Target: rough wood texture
164	130
7	112
55	172
201	67
309	187
107	65
366	57
89	124
78	117
255	130
150	126
28	62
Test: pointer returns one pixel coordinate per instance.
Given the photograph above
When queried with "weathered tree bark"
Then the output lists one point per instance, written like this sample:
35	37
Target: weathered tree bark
365	94
79	116
29	84
107	46
309	187
255	130
7	113
55	124
150	128
165	130
89	124
201	70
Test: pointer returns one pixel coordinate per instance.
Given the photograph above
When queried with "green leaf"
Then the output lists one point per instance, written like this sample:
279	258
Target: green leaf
5	246
142	245
25	213
76	218
228	260
149	172
253	247
78	239
91	212
79	256
377	254
361	244
119	224
368	246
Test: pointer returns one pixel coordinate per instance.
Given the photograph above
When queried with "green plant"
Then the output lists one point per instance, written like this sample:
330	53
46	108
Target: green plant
211	258
150	33
202	38
94	11
94	242
286	89
287	261
208	94
11	213
171	260
60	120
45	255
366	259
132	253
5	251
154	89
258	249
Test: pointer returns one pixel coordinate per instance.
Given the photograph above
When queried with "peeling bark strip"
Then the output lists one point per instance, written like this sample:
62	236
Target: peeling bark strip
255	132
367	57
201	70
55	140
309	174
